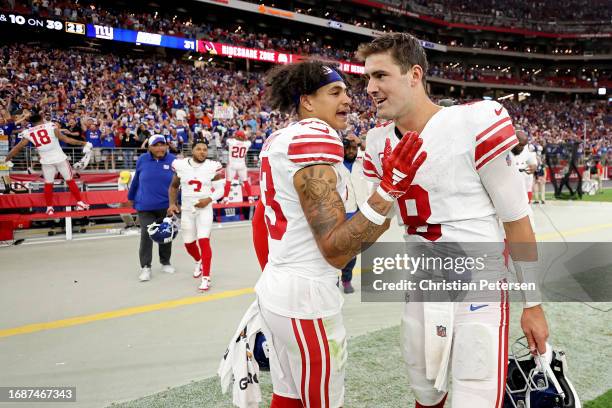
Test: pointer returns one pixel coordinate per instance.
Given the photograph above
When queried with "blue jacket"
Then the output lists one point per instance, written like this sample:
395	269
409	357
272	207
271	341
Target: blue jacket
149	188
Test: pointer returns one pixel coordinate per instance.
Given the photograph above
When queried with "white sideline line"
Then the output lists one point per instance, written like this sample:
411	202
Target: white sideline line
108	235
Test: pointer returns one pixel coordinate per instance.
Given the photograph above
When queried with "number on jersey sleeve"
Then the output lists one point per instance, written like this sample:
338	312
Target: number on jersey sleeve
278	225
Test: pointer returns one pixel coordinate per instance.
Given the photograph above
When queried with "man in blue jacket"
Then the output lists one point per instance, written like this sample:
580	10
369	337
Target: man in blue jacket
149	196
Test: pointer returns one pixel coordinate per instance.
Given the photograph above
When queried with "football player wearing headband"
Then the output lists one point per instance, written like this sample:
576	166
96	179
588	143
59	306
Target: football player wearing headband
308	238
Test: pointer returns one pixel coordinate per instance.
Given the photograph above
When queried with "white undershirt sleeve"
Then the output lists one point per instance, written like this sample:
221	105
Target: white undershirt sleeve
505	186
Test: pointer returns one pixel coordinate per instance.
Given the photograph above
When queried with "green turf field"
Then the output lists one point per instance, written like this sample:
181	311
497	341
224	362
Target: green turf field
375	373
606	196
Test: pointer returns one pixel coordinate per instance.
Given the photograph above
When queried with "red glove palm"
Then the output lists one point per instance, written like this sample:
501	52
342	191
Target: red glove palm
400	166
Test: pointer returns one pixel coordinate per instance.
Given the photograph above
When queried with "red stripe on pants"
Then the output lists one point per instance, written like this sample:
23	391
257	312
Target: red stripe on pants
327	361
502	356
303	356
316	363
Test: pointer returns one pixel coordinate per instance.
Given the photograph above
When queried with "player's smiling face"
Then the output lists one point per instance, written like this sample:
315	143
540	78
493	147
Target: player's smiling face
390	90
199	152
329	103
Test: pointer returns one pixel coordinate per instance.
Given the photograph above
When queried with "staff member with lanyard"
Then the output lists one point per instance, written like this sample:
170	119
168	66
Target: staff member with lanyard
149	196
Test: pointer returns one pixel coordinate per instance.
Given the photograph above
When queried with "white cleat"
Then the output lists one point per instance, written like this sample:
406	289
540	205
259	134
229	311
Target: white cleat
81	206
205	285
168	268
197	272
145	275
50	211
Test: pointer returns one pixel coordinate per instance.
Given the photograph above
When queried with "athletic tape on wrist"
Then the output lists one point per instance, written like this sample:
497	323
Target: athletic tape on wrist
372	215
527	272
386	196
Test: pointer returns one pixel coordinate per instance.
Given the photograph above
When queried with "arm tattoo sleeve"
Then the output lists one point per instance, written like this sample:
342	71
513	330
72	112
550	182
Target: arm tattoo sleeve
339	240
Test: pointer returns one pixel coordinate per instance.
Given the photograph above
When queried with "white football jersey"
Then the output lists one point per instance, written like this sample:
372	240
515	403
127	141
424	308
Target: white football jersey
236	151
47	144
522	161
447	201
196	178
297	281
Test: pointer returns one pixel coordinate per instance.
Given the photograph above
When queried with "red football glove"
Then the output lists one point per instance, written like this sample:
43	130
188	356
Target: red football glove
400	166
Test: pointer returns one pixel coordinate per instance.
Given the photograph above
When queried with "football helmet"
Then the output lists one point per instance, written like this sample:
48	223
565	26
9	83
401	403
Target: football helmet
261	352
536	382
81	164
165	231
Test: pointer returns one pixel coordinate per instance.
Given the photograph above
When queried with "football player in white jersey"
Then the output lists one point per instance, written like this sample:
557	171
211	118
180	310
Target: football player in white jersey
237	148
309	239
459	193
201	184
45	136
526	161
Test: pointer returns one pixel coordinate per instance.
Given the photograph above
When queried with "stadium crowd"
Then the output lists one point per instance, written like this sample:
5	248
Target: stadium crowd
299	42
117	101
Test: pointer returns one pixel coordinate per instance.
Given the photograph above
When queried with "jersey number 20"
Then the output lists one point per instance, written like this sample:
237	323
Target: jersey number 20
238	152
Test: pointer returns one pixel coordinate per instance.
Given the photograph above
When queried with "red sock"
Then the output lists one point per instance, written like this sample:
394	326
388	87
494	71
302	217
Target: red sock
206	255
193	250
438	405
228	186
49	194
74	189
247	188
284	402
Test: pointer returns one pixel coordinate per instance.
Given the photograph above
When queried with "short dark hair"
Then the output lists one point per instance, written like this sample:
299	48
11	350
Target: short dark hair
35	116
285	83
197	141
404	48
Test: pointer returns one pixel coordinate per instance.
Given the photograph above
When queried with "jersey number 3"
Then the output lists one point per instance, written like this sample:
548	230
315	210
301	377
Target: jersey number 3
416	224
278	226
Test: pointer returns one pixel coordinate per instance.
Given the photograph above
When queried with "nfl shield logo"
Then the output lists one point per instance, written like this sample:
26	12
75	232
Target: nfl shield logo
441	331
509	160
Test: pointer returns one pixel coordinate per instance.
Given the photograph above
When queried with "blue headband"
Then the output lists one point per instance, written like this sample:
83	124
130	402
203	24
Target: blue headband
329	75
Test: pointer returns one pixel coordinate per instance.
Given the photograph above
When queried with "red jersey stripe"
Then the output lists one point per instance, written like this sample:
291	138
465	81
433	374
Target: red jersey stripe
493	126
316	136
511	142
315	149
494	141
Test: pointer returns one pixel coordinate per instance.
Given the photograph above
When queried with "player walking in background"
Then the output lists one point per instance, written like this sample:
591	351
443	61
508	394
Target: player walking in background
45	137
457	196
201	184
237	148
526	161
309	238
539	185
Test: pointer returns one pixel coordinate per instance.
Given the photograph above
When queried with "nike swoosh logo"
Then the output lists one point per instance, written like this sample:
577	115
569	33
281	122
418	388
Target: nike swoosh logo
473	308
326	131
498	112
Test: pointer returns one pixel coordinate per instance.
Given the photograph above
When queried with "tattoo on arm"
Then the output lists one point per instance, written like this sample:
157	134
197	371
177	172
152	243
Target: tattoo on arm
339	240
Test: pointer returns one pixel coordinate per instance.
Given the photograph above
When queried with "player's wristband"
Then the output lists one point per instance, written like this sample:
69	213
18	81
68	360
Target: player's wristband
372	215
527	272
386	196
